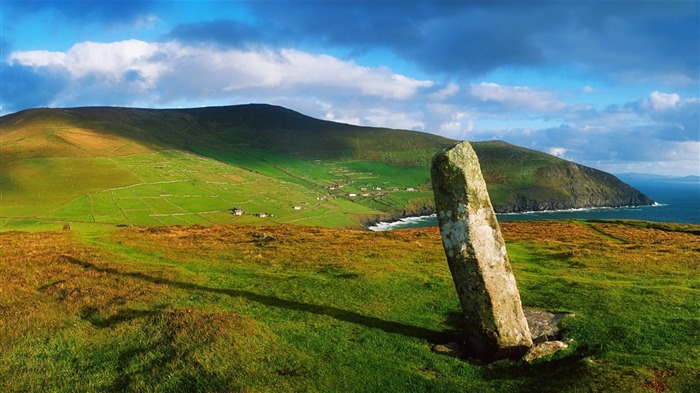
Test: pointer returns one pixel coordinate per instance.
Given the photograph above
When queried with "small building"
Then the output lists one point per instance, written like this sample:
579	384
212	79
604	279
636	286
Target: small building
411	189
352	195
297	207
263	215
238	211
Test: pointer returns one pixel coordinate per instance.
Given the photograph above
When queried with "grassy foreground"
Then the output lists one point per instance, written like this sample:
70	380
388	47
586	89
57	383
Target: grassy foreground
238	308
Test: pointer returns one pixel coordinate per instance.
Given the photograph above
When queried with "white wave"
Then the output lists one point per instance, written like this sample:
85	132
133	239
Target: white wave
387	226
580	209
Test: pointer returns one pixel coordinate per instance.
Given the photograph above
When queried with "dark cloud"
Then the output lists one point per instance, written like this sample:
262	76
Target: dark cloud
109	12
24	87
633	40
224	32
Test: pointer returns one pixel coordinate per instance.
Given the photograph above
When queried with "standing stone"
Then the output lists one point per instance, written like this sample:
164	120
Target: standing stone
496	327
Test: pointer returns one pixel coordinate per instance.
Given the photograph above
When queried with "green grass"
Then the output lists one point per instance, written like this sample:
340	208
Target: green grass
173	187
300	308
384	175
32	187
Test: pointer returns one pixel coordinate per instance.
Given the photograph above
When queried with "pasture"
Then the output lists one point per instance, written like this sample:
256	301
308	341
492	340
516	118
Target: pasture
298	308
177	187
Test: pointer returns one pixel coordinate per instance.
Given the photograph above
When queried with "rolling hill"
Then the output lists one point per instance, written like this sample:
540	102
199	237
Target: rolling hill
128	166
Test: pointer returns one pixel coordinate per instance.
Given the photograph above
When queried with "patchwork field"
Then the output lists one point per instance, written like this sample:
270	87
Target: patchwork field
175	187
298	308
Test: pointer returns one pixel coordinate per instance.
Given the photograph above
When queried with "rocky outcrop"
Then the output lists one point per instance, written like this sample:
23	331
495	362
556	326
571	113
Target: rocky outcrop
476	255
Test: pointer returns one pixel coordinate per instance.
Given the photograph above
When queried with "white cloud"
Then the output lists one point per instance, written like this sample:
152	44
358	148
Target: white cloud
519	97
668	158
209	72
110	61
558	151
587	89
382	117
458	126
662	101
38	58
447	92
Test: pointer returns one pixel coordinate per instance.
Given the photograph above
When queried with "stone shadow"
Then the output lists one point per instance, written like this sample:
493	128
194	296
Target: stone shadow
432	336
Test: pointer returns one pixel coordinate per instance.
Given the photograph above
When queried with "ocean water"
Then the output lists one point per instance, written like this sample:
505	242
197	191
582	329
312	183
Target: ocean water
676	201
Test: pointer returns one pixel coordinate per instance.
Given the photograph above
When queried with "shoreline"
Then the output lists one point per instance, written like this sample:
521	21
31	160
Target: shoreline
389	224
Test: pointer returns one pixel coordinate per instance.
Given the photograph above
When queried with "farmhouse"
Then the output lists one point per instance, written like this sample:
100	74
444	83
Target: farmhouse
297	207
237	211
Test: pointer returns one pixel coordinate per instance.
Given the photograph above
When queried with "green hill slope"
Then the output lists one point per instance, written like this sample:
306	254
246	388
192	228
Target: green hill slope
129	166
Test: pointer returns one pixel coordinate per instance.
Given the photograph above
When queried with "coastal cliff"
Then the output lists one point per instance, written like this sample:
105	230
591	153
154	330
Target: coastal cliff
521	180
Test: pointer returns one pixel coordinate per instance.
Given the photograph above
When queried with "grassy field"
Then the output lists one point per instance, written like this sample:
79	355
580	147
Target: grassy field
175	187
282	308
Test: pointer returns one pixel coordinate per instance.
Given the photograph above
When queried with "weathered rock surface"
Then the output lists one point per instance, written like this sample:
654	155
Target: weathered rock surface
544	349
544	325
476	255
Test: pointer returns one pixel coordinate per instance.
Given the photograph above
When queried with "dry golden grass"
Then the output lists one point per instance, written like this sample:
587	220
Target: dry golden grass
310	247
42	287
627	247
97	144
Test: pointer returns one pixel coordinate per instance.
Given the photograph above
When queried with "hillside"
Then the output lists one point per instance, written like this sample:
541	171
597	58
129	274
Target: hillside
305	309
126	166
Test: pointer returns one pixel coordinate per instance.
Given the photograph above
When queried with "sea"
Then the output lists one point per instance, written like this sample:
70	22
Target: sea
676	201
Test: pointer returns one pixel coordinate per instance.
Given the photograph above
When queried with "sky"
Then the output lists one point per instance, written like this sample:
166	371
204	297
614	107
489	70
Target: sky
609	84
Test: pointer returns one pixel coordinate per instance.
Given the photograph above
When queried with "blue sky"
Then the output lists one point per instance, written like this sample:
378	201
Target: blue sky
609	84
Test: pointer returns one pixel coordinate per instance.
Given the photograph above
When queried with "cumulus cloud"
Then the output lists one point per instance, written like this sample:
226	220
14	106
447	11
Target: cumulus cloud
108	61
558	151
382	117
663	101
520	97
448	91
173	71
